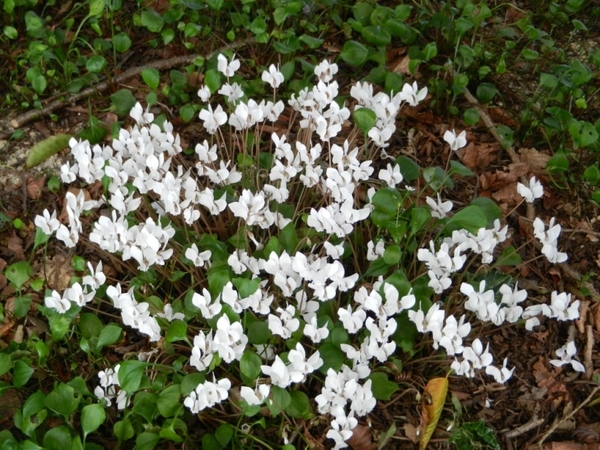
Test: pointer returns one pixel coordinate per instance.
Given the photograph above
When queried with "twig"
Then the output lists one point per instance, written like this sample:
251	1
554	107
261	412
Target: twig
569	416
27	117
533	423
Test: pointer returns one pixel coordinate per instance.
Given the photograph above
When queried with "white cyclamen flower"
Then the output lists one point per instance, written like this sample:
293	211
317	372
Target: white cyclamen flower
273	76
456	141
207	394
535	190
227	69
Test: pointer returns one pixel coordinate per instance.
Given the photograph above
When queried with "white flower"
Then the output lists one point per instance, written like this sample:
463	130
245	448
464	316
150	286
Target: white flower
562	308
325	71
313	332
500	375
279	373
566	353
456	142
57	302
273	76
391	175
207	394
169	315
48	223
213	119
204	93
233	92
439	209
412	95
352	321
203	302
255	396
535	190
477	355
197	258
227	69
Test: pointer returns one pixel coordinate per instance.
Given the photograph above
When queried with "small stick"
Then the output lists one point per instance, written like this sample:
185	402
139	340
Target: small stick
27	117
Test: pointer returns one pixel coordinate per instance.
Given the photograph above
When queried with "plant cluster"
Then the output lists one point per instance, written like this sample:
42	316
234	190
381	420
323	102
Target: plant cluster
242	263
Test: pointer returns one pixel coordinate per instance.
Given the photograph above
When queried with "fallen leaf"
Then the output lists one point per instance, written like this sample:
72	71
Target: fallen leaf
361	438
500	178
478	156
434	397
411	432
35	186
536	161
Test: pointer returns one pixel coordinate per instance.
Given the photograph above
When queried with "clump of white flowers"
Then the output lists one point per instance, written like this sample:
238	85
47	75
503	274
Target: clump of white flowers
142	169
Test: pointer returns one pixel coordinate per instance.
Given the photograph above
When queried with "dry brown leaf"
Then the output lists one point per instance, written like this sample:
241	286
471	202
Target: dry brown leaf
534	159
508	194
411	432
498	179
35	186
478	157
361	439
15	245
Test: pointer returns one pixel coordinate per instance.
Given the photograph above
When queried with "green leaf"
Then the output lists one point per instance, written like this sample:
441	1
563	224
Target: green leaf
299	406
43	150
250	364
95	63
10	32
58	438
168	402
391	255
146	441
18	273
151	77
509	257
90	325
354	53
470	218
583	133
130	375
109	335
419	216
212	78
489	207
506	135
332	357
62	400
190	381
486	92
187	112
96	7
592	174
5	363
376	35
362	12
381	386
123	100
471	117
123	429
548	80
177	331
39	83
40	238
152	20
409	169
311	42
92	416
279	400
460	169
245	286
224	434
364	118
59	325
258	333
121	42
22	305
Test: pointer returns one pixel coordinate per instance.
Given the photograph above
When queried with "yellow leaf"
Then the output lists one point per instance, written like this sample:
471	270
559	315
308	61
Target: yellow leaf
434	397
